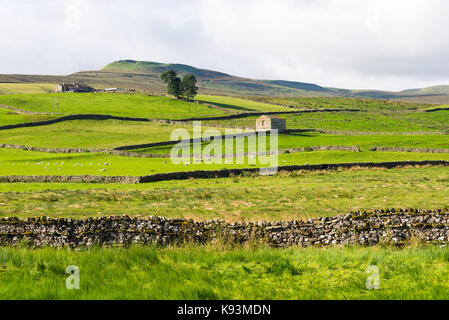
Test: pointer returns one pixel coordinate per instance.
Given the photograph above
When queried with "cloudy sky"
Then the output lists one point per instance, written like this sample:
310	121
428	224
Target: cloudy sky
378	44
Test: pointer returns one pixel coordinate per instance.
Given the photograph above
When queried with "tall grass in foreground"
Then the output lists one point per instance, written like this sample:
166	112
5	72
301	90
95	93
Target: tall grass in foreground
214	272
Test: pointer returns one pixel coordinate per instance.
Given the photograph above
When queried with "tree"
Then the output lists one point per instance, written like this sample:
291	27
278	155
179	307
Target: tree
188	87
173	83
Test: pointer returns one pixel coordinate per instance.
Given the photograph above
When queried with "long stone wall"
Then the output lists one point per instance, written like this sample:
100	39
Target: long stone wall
161	155
393	226
70	179
70	118
417	150
53	150
184	175
110	117
317	167
435	109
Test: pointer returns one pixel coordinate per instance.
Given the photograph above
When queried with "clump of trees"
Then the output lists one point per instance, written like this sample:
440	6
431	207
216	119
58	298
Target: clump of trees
180	88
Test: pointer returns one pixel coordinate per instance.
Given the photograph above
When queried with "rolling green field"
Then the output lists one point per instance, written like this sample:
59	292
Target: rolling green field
19	162
241	105
8	117
315	139
342	103
92	134
288	196
218	271
125	105
357	121
224	273
26	88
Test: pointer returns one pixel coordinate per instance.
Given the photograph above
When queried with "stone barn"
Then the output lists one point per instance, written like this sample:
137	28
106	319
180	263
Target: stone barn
73	87
267	123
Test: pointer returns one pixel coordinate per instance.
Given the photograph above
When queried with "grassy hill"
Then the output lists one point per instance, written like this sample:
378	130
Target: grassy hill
155	68
144	76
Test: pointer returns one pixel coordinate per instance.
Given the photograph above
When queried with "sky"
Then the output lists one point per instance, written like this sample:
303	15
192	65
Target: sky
375	44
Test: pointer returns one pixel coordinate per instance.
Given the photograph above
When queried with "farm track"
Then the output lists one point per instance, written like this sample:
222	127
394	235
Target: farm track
212	174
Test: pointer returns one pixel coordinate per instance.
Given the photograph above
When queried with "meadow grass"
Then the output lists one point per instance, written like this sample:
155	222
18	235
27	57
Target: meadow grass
240	104
315	139
125	105
214	272
8	117
220	272
92	134
26	88
373	121
287	196
342	103
19	162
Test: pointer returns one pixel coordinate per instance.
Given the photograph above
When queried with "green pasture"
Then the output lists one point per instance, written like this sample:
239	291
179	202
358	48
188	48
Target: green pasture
19	162
343	103
225	273
287	196
240	104
93	134
8	117
315	139
26	88
126	105
357	121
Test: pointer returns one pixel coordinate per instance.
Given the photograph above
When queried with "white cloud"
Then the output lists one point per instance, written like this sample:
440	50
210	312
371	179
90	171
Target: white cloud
383	44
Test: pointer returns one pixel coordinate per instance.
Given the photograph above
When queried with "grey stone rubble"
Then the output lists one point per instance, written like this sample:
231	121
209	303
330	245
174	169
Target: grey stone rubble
392	226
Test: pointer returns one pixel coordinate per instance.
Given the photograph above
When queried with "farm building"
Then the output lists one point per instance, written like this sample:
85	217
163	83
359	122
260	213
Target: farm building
266	123
73	87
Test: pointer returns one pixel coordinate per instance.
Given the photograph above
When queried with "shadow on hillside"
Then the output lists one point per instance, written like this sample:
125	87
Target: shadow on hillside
306	133
227	106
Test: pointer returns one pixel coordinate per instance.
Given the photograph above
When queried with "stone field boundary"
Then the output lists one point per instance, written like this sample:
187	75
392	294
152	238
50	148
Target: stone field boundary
391	226
225	173
173	121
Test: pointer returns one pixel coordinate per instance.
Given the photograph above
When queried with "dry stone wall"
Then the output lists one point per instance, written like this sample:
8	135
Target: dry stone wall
70	179
394	226
120	151
417	150
21	111
184	175
179	121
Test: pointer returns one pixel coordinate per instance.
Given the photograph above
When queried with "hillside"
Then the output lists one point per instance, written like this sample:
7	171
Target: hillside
144	76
